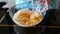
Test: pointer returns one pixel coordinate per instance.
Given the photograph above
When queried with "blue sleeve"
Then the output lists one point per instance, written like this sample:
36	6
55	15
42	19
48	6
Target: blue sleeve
26	4
23	4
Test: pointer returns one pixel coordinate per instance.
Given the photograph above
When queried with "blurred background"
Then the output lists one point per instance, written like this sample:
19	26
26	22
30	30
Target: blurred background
9	3
51	20
52	3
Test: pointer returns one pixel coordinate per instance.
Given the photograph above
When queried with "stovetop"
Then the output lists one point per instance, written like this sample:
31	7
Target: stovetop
50	19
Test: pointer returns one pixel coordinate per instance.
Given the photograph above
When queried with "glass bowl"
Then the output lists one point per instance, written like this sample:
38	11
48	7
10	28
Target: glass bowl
27	5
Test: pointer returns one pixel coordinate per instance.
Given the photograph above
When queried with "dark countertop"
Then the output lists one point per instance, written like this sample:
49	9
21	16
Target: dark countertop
50	19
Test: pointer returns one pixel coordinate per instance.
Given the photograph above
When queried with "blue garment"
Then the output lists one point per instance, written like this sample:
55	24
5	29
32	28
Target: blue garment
26	4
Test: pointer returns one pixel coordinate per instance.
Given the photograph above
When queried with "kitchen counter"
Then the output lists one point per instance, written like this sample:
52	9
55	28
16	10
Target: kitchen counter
50	21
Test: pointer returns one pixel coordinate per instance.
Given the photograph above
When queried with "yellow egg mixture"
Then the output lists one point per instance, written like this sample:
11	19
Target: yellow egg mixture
28	17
